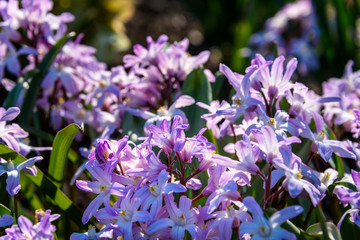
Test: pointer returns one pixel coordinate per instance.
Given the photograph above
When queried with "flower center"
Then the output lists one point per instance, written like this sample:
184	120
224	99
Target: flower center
237	102
181	220
265	230
299	175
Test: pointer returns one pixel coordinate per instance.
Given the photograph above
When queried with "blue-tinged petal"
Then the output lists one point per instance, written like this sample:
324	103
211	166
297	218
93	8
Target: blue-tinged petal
10	114
225	228
275	177
28	163
126	228
295	186
26	226
324	150
177	233
315	195
277	70
248	227
93	206
6	220
228	111
159	224
254	208
12	182
281	216
182	101
78	236
193	230
141	216
340	149
174	187
88	186
230	76
156	206
280	233
69	83
171	207
290	69
140	113
13	65
49	79
184	204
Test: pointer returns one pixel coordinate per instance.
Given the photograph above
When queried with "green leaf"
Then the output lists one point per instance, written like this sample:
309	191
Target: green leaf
32	93
197	86
133	126
46	186
13	95
60	151
315	231
323	225
4	210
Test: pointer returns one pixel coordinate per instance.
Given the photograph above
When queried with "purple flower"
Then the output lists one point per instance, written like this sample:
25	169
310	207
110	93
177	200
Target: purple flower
92	234
25	229
6	220
262	228
103	186
181	219
10	134
164	113
350	197
157	189
243	99
228	216
125	212
167	138
298	177
13	173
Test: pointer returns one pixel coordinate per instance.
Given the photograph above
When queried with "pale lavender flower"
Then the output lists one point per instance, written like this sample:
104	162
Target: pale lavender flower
13	173
298	178
125	212
164	113
350	197
10	134
181	219
157	189
103	186
243	99
262	228
25	229
228	217
92	234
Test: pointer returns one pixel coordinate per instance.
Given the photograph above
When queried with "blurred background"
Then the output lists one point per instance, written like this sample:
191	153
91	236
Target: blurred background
322	34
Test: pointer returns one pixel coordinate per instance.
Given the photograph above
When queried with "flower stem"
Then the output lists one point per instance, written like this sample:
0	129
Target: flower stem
16	207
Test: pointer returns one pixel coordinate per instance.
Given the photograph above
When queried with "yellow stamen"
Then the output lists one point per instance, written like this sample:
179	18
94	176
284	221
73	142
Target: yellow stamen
82	113
299	174
152	188
106	155
102	188
123	213
327	175
61	100
165	132
102	83
237	102
182	217
213	152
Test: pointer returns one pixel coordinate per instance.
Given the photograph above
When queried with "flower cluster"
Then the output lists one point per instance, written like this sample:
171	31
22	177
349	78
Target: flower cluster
295	31
146	178
78	88
25	229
